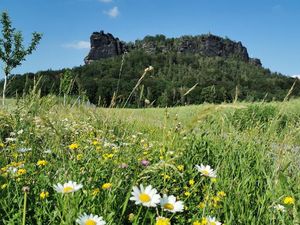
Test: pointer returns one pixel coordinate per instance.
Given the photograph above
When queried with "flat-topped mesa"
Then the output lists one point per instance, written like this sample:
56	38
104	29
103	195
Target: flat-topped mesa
104	46
208	45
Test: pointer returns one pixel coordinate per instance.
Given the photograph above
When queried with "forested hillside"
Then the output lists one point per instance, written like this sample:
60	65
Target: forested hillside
178	78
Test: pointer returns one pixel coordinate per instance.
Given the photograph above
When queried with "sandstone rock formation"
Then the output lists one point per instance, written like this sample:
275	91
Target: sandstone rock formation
104	46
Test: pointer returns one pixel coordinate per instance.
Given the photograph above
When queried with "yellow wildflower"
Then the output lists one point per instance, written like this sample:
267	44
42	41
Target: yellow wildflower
201	205
42	163
21	171
95	142
191	182
197	223
162	221
106	186
180	168
44	194
1	145
289	200
3	186
73	146
214	180
95	191
79	157
221	194
187	194
108	156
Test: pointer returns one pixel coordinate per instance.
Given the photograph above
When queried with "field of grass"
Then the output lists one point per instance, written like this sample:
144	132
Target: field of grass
253	151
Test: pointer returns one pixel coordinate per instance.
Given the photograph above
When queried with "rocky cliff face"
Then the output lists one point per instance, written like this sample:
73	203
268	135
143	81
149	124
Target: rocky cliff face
211	45
106	45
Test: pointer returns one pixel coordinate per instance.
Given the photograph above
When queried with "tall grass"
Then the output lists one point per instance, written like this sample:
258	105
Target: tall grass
253	147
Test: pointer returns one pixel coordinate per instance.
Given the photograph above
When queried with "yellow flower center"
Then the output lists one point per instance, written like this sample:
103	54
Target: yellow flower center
144	197
205	172
212	223
162	221
169	206
68	189
90	222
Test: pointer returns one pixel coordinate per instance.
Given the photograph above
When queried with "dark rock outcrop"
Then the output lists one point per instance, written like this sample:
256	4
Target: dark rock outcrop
255	62
104	46
211	45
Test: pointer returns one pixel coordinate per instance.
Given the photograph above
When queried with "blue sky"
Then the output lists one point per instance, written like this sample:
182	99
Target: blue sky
268	28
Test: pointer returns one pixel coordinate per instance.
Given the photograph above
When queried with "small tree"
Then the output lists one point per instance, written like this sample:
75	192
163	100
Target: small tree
12	51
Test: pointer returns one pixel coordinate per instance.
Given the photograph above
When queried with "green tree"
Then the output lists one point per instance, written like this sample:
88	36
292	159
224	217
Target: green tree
12	51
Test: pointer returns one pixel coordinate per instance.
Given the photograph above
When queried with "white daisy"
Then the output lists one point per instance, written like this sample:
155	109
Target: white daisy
213	221
67	187
279	207
206	171
146	196
90	220
169	203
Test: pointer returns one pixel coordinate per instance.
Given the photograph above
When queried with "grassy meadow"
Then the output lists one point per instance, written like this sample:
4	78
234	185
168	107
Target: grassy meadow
252	149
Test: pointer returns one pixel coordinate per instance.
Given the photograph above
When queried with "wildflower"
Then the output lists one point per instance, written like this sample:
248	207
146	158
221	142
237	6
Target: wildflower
180	168
90	220
73	146
44	194
206	171
148	69
106	186
1	145
213	221
26	189
201	205
21	171
67	187
95	191
289	200
214	180
3	186
146	196
169	203
145	162
191	182
95	143
165	176
162	221
197	223
221	194
131	217
42	163
23	150
187	194
279	207
108	156
79	157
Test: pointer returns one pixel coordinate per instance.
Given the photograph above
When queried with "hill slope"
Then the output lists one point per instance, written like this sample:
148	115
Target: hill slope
220	77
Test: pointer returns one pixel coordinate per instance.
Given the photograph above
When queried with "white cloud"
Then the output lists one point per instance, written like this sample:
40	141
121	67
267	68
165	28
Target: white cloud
105	1
78	45
298	76
113	13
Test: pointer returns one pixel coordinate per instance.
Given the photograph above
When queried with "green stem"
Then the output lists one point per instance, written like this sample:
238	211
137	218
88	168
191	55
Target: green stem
137	216
24	208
